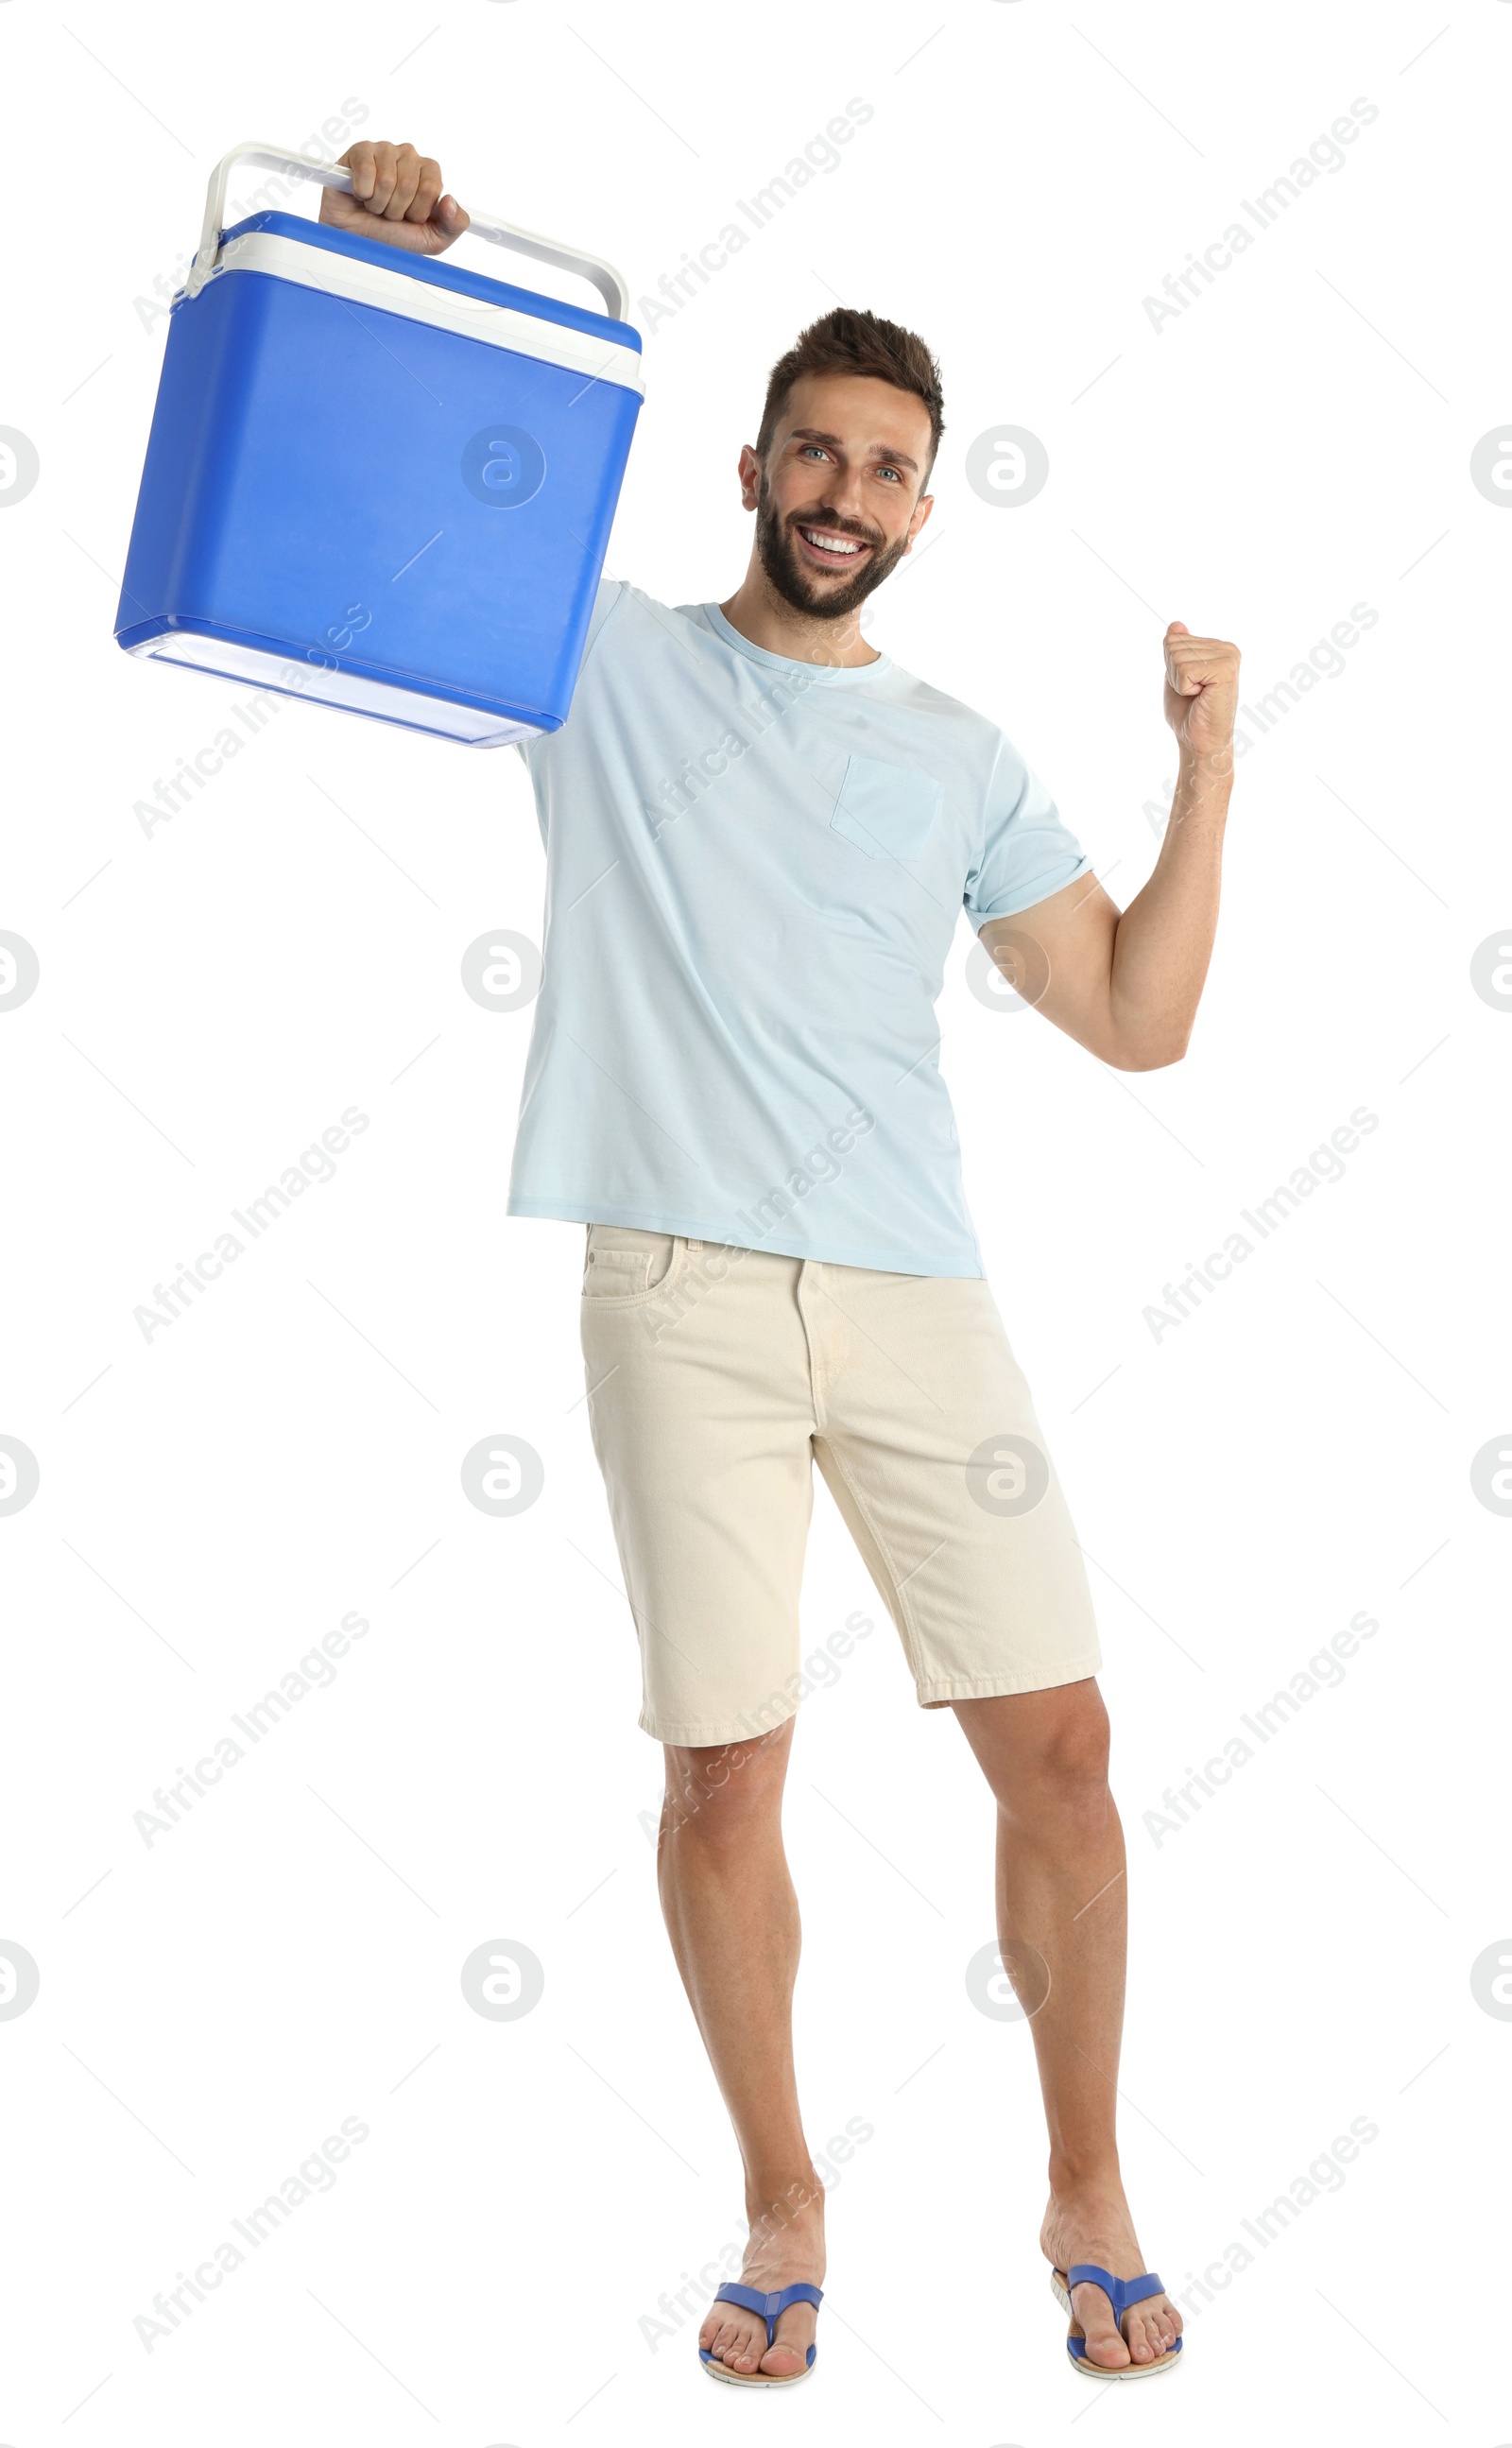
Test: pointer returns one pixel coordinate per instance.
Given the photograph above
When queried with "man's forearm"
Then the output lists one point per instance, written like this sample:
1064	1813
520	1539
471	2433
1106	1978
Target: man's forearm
1128	988
1164	939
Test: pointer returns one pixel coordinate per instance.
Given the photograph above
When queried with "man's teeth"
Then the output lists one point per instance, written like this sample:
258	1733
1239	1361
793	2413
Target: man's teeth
836	544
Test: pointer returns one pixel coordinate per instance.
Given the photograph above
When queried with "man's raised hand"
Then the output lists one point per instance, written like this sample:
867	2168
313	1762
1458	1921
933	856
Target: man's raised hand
396	197
1201	692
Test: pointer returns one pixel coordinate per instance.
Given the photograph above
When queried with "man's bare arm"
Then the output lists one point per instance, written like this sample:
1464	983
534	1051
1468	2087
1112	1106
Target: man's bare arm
1126	984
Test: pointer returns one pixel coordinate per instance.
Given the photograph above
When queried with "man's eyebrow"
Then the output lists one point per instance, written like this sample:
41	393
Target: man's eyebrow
832	441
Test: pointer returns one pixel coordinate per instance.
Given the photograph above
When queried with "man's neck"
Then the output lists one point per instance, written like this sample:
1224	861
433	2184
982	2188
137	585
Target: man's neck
770	622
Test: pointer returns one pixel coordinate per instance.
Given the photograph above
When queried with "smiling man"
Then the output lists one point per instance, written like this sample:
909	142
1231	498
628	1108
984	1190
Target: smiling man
760	834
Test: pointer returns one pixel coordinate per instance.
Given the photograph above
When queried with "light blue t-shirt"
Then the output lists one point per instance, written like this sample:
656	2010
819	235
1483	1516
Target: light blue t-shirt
755	869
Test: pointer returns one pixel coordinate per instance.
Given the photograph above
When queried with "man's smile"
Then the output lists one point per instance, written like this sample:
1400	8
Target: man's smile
825	548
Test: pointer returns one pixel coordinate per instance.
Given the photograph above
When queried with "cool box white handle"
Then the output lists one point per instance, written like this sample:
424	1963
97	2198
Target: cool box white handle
605	279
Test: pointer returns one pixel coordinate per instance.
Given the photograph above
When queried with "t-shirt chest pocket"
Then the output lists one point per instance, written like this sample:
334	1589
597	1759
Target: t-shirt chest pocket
887	811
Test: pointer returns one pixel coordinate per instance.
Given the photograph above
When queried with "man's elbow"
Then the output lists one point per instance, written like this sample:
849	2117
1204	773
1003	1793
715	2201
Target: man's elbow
1152	1052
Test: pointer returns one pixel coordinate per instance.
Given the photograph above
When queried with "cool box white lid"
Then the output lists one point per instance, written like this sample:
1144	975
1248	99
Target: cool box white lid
447	310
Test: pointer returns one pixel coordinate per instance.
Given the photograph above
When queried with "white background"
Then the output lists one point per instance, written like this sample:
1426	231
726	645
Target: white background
212	996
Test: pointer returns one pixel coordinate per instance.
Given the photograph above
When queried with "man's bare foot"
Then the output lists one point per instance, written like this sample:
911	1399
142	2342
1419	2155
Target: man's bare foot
1094	2225
786	2244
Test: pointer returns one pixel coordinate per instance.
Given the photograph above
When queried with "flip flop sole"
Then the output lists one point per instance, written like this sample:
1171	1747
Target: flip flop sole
756	2380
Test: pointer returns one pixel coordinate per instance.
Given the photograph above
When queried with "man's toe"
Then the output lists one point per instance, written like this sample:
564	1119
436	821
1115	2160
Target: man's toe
731	2345
1154	2326
1104	2344
1111	2352
1162	2326
785	2355
782	2361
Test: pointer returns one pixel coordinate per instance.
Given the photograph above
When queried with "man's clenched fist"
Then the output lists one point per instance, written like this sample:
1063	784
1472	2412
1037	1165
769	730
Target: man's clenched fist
1201	692
396	197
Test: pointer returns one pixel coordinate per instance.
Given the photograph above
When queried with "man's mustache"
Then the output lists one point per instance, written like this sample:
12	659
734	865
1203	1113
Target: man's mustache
839	525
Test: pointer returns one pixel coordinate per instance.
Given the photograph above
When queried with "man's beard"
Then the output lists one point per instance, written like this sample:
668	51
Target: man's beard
791	581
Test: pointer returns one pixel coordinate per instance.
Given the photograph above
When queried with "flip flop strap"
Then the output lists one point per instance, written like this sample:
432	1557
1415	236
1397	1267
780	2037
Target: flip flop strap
1121	2292
770	2307
1077	2349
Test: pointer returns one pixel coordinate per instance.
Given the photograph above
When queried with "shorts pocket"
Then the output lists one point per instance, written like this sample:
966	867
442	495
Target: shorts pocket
624	1266
887	811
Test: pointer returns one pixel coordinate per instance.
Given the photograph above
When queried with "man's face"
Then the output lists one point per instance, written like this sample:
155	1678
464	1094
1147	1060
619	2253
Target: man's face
839	497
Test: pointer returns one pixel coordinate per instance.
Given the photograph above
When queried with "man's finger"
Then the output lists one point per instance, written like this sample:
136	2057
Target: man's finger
428	192
359	160
406	179
377	196
1196	664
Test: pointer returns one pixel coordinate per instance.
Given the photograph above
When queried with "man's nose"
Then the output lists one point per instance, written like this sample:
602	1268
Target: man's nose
844	501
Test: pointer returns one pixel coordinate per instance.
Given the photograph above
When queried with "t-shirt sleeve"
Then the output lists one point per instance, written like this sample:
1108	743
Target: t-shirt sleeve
1026	852
610	590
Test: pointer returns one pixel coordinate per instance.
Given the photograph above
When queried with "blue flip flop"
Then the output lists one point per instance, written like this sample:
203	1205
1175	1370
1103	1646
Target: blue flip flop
1121	2293
770	2307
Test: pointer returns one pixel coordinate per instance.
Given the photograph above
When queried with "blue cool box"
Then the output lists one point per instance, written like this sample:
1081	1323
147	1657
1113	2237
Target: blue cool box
379	482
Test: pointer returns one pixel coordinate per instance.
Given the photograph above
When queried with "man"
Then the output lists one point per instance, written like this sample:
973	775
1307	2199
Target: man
760	833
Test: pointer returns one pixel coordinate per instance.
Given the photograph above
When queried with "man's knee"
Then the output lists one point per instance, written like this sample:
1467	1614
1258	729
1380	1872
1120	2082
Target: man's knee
721	1788
1075	1751
1057	1754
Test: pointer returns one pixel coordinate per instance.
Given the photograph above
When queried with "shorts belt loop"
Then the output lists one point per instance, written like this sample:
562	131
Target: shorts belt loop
696	1245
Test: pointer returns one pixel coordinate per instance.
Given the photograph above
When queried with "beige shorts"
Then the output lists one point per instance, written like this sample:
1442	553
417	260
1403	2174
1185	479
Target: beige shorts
717	1377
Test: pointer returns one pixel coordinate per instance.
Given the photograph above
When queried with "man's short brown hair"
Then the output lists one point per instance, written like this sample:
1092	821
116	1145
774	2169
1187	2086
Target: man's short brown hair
850	340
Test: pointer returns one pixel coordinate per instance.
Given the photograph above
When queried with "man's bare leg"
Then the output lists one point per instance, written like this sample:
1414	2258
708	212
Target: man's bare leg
1061	1895
733	1918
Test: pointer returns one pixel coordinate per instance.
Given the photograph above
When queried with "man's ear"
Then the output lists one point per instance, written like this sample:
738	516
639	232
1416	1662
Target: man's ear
750	471
921	512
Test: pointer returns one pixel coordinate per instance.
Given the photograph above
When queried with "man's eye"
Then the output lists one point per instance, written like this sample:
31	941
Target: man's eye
895	473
